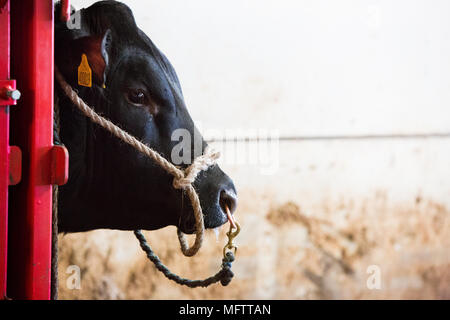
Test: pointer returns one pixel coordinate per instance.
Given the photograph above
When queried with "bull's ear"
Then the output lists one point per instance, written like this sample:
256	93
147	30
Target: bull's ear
93	54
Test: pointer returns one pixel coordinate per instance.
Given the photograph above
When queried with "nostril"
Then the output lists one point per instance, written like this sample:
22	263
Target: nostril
228	199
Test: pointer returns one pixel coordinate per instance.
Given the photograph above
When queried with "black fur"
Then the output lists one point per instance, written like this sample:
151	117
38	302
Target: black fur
111	185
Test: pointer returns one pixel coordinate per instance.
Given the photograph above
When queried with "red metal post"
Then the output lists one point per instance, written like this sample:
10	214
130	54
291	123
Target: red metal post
4	146
29	259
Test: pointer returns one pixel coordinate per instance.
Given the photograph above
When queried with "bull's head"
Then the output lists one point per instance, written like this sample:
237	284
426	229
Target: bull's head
111	185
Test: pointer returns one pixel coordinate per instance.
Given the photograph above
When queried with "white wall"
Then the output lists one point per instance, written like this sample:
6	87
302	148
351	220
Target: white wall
318	67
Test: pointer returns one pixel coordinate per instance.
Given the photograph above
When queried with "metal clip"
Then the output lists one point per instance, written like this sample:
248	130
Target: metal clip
231	235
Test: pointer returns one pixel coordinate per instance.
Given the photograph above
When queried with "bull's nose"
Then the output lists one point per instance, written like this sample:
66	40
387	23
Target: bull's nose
228	199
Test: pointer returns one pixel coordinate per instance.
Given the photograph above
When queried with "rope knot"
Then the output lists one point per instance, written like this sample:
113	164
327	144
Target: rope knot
226	273
201	163
181	182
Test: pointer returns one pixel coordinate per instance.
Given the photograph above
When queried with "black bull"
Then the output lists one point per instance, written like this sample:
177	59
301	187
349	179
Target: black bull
111	185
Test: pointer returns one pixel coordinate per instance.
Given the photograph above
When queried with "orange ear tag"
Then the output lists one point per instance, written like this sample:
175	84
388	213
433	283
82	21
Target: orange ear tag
84	72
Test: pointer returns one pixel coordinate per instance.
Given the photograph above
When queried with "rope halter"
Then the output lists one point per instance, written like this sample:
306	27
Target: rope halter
183	179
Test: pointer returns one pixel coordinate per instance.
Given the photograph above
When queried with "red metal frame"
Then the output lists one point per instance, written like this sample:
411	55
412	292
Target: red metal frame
30	202
4	146
32	126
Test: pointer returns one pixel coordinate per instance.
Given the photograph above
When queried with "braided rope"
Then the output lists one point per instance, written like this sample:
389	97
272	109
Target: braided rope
225	275
182	179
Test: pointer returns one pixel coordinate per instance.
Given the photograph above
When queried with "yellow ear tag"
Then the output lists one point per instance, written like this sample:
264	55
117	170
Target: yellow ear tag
84	72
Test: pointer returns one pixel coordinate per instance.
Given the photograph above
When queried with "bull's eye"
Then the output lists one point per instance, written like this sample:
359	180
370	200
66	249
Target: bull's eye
141	98
137	97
